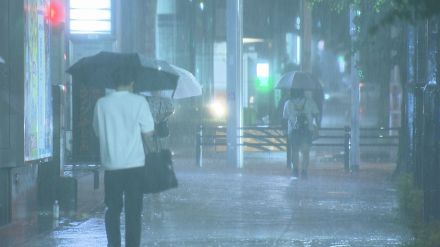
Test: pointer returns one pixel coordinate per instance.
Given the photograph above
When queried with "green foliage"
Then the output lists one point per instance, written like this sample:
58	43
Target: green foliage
334	5
413	10
374	48
411	207
410	201
406	10
378	47
341	5
426	236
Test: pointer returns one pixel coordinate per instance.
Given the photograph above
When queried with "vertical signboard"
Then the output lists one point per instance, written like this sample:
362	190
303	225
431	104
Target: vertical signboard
38	129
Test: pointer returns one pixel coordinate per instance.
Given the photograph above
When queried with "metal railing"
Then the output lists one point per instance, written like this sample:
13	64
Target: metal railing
274	138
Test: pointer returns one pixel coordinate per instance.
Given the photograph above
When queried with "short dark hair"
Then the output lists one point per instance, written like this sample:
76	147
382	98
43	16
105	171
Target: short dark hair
124	75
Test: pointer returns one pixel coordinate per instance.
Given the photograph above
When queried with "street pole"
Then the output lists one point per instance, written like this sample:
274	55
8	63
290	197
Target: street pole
234	33
306	36
355	97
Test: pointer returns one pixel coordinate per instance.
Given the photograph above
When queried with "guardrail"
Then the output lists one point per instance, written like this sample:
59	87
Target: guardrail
72	169
274	138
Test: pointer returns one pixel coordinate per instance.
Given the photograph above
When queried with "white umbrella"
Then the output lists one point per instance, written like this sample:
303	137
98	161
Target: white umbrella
187	86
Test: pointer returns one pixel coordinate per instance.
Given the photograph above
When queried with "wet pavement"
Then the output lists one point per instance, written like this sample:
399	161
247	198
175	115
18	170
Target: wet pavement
259	205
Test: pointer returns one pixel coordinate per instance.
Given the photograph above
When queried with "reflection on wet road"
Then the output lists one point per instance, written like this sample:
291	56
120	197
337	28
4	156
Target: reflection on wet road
259	205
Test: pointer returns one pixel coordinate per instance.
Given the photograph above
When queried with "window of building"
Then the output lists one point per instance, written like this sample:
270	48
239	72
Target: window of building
91	17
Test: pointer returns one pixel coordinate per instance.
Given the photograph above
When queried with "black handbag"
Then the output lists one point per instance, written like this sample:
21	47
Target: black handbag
161	129
159	172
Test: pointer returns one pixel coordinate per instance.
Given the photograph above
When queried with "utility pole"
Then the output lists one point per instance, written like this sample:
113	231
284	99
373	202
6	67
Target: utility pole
138	26
234	34
306	36
355	97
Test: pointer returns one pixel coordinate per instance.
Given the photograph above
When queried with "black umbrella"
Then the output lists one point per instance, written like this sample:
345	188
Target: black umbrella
98	70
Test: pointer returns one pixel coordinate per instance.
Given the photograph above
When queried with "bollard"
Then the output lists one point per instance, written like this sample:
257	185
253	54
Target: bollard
347	148
288	152
56	210
199	146
95	179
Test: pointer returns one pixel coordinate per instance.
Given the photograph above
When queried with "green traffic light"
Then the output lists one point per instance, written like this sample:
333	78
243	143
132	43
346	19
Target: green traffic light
263	84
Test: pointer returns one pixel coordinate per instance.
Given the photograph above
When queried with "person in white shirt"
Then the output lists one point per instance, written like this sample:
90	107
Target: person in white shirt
302	114
123	123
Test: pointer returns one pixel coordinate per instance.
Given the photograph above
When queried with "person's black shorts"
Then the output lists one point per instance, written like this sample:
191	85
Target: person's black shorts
300	137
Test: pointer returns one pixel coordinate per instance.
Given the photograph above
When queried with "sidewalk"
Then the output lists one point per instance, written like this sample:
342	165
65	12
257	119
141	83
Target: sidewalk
259	205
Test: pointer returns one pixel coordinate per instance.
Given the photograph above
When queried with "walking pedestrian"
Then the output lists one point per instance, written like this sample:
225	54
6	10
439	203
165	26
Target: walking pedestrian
302	115
123	123
161	109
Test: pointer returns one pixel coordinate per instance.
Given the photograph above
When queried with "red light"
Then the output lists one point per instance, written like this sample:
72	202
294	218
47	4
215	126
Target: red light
54	13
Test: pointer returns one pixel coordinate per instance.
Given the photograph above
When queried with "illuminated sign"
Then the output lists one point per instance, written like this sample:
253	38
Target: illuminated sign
263	80
38	129
90	17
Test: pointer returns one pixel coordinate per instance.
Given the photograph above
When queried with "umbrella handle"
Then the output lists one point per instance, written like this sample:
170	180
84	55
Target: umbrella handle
167	115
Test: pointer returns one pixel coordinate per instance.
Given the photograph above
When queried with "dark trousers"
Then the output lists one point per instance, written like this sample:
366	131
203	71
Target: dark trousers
123	188
300	141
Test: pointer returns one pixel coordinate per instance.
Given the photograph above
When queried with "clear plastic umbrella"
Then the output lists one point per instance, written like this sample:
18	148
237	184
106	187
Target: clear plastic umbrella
303	81
187	86
298	80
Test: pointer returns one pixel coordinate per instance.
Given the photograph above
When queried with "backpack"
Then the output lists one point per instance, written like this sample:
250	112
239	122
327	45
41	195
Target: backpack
301	121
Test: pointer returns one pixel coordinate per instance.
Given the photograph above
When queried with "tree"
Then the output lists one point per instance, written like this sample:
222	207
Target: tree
394	10
380	30
375	57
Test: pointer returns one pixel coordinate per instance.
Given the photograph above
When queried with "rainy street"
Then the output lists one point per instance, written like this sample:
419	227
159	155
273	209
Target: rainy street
259	205
254	123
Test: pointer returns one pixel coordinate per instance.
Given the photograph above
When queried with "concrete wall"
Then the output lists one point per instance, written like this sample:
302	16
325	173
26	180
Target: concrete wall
24	192
19	180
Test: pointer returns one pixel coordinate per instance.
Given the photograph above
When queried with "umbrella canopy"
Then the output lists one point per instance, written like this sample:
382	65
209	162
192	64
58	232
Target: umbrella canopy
303	81
187	86
97	70
155	75
298	80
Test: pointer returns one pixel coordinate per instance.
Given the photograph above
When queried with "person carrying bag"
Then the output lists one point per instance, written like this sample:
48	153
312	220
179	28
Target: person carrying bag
300	113
159	172
121	121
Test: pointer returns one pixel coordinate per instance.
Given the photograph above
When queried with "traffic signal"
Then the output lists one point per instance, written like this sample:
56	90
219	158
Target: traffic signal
263	80
54	13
